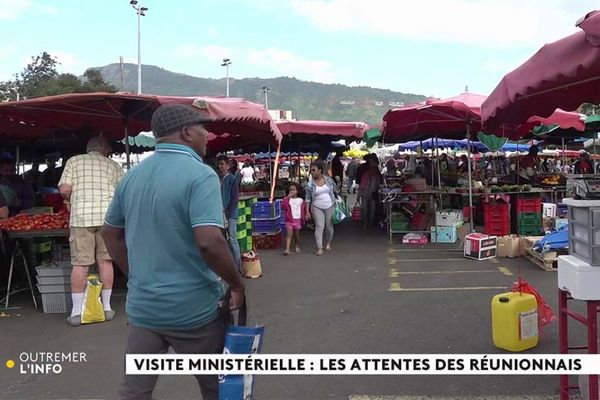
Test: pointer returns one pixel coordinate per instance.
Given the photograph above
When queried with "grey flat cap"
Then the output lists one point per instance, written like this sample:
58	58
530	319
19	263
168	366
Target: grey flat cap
169	118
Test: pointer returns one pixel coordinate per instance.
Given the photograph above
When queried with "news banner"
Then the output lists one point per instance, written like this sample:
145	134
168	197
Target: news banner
362	364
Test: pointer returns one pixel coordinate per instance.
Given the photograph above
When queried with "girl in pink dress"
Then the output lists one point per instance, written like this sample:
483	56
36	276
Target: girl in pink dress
295	216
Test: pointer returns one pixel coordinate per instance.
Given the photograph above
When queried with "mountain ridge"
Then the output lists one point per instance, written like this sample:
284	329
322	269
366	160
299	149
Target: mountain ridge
306	99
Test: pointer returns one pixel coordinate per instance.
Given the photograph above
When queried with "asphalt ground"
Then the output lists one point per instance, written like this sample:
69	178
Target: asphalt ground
366	296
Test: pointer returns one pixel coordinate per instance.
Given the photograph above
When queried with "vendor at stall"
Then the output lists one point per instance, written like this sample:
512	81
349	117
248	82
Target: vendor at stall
584	164
528	165
18	193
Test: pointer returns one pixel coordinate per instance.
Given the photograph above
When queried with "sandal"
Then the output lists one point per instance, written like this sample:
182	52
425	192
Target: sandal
328	247
286	253
319	252
298	250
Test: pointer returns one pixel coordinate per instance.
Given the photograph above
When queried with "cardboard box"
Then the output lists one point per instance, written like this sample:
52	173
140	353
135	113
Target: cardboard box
509	246
480	246
414	239
462	231
443	234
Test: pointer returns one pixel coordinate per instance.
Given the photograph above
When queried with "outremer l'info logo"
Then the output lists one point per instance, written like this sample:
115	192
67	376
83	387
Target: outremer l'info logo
43	363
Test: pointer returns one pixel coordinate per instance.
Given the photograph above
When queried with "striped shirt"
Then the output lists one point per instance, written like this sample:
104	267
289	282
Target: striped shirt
93	178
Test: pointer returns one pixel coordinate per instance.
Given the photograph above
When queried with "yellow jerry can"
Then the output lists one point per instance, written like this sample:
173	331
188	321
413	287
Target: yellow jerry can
514	321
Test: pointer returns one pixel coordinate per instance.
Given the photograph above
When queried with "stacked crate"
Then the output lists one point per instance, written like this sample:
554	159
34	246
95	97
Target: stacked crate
496	219
528	212
266	224
54	284
244	224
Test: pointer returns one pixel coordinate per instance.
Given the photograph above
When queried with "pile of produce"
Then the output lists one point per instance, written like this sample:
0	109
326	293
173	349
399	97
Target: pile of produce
26	222
553	180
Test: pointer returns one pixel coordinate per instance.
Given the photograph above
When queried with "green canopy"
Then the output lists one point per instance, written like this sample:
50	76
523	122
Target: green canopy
371	136
147	142
492	142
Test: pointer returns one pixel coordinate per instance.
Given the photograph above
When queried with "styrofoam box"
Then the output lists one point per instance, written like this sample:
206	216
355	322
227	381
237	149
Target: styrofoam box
560	222
578	278
449	218
443	234
549	210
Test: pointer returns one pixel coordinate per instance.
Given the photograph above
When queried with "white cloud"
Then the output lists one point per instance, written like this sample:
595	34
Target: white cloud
69	63
284	62
192	51
14	9
509	23
212	31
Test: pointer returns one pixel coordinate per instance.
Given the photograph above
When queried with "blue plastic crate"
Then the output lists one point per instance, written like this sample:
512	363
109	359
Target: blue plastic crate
266	225
266	210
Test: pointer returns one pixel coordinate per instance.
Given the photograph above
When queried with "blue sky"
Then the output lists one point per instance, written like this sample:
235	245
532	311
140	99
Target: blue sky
434	47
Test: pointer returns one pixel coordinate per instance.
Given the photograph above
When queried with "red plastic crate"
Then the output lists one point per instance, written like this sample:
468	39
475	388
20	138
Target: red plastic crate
497	230
496	207
529	205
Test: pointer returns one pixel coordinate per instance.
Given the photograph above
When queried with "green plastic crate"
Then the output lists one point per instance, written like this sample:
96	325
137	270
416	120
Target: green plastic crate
241	219
248	211
530	231
242	234
533	220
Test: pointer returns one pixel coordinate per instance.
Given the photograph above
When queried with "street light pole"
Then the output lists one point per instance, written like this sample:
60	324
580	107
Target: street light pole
226	64
140	11
265	91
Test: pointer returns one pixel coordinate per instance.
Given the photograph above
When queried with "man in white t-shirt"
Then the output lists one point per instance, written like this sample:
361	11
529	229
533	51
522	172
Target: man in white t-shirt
248	173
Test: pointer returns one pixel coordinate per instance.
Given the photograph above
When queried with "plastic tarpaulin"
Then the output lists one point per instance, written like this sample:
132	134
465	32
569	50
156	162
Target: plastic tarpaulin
553	241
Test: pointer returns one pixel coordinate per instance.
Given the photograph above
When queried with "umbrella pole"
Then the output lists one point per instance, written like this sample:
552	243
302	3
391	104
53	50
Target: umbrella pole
275	171
18	159
594	156
564	154
127	160
270	166
471	214
437	150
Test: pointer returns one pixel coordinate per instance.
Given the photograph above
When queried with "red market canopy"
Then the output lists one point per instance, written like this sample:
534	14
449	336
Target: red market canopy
335	129
449	119
72	115
564	74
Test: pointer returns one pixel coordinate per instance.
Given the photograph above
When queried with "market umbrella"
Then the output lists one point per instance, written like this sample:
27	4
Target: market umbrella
371	136
119	115
564	74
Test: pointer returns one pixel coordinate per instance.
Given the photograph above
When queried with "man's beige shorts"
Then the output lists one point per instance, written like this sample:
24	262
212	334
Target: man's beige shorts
87	246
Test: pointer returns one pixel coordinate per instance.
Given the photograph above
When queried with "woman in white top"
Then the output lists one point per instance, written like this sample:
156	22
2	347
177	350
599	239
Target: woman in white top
320	199
248	173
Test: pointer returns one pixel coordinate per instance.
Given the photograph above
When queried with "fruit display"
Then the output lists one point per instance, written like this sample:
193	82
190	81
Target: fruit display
39	222
553	180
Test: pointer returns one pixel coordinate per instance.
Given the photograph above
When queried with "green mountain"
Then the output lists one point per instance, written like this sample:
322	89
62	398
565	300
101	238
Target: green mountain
306	100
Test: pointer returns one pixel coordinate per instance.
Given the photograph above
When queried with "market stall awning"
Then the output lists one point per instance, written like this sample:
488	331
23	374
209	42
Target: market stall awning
109	114
334	129
462	144
564	74
449	118
446	118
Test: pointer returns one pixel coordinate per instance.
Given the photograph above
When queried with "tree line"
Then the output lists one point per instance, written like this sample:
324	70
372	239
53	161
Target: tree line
41	78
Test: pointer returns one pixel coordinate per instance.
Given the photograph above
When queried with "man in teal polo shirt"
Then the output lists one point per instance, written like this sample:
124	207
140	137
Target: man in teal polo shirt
164	230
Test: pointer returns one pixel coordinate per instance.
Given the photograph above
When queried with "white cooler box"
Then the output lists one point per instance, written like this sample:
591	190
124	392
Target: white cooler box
579	278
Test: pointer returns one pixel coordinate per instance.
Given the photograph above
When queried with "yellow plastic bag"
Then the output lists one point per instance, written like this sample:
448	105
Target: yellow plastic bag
92	308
